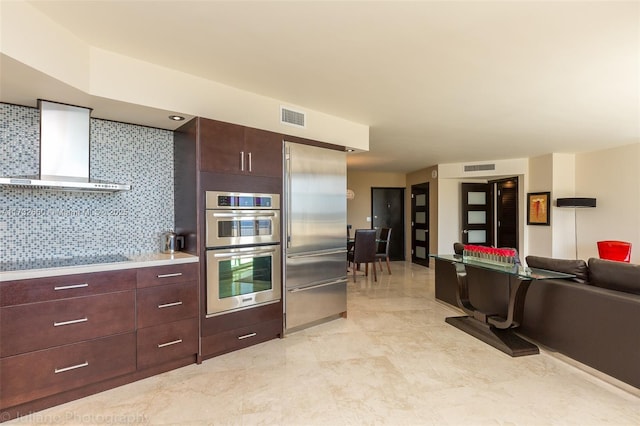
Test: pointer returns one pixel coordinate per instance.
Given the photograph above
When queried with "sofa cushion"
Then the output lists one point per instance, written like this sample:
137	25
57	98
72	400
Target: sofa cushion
614	275
567	266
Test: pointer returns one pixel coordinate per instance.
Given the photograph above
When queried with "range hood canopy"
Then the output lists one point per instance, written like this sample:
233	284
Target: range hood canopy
64	153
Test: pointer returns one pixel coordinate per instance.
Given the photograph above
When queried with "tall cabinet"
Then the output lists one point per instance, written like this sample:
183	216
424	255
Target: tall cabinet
216	156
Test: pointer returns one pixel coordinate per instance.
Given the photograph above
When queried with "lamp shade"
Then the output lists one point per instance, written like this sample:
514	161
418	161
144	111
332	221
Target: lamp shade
576	202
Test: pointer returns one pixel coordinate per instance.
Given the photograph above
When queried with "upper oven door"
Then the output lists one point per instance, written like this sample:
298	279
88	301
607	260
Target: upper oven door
240	227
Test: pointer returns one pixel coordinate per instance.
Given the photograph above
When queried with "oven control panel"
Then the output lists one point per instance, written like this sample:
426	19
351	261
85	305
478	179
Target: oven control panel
237	200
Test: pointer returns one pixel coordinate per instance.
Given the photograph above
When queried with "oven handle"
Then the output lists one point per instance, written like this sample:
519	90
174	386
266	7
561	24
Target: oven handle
244	214
252	253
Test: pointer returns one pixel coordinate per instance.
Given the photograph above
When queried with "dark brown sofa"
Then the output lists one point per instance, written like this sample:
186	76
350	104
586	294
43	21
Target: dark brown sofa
593	318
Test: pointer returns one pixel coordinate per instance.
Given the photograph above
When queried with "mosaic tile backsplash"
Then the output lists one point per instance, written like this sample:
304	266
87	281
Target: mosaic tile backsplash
36	224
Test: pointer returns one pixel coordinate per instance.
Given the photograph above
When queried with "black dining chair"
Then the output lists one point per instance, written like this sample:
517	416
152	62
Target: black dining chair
364	251
383	248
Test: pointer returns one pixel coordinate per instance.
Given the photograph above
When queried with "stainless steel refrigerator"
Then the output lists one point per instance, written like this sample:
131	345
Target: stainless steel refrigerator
315	219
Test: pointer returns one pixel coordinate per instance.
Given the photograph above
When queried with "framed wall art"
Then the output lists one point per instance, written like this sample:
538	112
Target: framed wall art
538	208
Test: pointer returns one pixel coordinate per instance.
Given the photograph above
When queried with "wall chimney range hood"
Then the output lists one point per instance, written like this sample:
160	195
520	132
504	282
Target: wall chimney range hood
64	153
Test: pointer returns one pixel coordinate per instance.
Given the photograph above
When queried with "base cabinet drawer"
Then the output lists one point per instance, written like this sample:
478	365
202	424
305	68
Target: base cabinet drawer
167	342
38	374
36	326
167	303
169	274
241	337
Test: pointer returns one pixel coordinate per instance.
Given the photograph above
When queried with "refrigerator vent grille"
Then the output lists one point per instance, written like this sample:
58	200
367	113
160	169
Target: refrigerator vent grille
292	118
479	167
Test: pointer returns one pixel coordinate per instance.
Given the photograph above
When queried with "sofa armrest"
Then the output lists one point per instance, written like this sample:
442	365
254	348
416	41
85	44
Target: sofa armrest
595	326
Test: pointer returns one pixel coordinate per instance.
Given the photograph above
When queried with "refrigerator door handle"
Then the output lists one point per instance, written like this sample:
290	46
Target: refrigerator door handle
288	204
319	253
313	287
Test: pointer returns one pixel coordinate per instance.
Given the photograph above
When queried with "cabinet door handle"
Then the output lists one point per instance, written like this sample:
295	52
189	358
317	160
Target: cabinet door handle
173	342
73	367
246	336
69	287
76	321
250	162
242	161
168	305
177	274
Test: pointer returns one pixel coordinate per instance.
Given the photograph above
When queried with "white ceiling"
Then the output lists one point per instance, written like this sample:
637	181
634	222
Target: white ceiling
436	81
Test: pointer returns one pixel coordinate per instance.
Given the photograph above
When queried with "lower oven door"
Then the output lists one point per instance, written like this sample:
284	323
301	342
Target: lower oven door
238	278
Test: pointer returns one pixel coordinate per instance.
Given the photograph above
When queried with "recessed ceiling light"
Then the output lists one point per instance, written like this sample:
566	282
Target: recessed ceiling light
176	117
350	150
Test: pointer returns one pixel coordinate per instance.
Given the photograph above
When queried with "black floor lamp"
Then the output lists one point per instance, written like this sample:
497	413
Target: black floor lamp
576	203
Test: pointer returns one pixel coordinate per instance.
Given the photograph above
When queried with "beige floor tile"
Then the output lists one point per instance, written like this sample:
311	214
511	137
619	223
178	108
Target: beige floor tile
392	361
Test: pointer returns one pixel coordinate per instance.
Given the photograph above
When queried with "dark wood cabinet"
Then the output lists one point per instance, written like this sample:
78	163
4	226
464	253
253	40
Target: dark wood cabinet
237	330
230	148
38	374
34	326
65	337
168	274
167	313
166	342
158	305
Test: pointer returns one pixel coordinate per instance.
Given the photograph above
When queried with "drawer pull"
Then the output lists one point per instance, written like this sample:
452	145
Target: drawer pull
58	324
174	342
168	305
176	274
73	367
72	286
246	336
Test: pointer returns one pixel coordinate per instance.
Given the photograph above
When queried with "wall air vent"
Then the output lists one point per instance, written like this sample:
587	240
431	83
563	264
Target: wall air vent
292	117
479	167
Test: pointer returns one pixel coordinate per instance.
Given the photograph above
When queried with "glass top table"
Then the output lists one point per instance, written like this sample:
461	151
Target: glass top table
493	329
516	270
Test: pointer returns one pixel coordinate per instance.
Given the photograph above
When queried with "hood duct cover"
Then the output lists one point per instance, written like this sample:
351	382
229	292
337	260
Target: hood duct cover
64	153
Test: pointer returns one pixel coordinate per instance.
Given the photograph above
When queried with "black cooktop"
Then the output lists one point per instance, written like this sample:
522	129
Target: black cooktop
61	262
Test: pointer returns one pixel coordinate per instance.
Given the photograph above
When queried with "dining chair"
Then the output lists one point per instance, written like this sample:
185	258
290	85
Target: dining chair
615	250
383	248
364	251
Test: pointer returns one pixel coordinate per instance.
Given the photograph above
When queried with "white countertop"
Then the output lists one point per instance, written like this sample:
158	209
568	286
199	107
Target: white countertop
139	261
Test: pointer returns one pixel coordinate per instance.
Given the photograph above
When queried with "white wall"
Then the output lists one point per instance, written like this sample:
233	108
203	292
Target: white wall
613	177
539	238
31	38
450	176
563	219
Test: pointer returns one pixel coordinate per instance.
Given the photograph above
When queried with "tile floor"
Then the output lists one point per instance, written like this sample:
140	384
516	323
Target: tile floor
393	361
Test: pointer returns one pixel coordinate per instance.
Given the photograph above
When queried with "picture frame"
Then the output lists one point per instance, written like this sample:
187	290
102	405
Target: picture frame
538	208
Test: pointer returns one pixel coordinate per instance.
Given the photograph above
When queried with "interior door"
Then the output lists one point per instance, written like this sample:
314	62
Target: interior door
507	213
420	224
387	211
477	202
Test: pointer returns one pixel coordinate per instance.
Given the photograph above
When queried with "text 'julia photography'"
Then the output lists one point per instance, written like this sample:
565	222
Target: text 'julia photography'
80	212
76	418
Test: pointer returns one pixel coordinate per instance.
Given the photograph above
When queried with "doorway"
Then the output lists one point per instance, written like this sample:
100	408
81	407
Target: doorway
490	213
387	211
420	224
477	214
506	212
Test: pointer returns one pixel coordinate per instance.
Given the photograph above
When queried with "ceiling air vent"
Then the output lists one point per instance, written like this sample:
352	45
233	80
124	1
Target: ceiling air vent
292	118
479	167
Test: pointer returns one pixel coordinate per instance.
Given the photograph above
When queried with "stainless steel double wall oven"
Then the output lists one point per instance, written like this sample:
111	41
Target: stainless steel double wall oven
243	250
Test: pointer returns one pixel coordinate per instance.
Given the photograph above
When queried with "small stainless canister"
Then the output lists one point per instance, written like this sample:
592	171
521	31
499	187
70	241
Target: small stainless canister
170	242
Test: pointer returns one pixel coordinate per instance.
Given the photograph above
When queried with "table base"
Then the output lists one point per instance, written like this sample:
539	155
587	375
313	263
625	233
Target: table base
504	340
